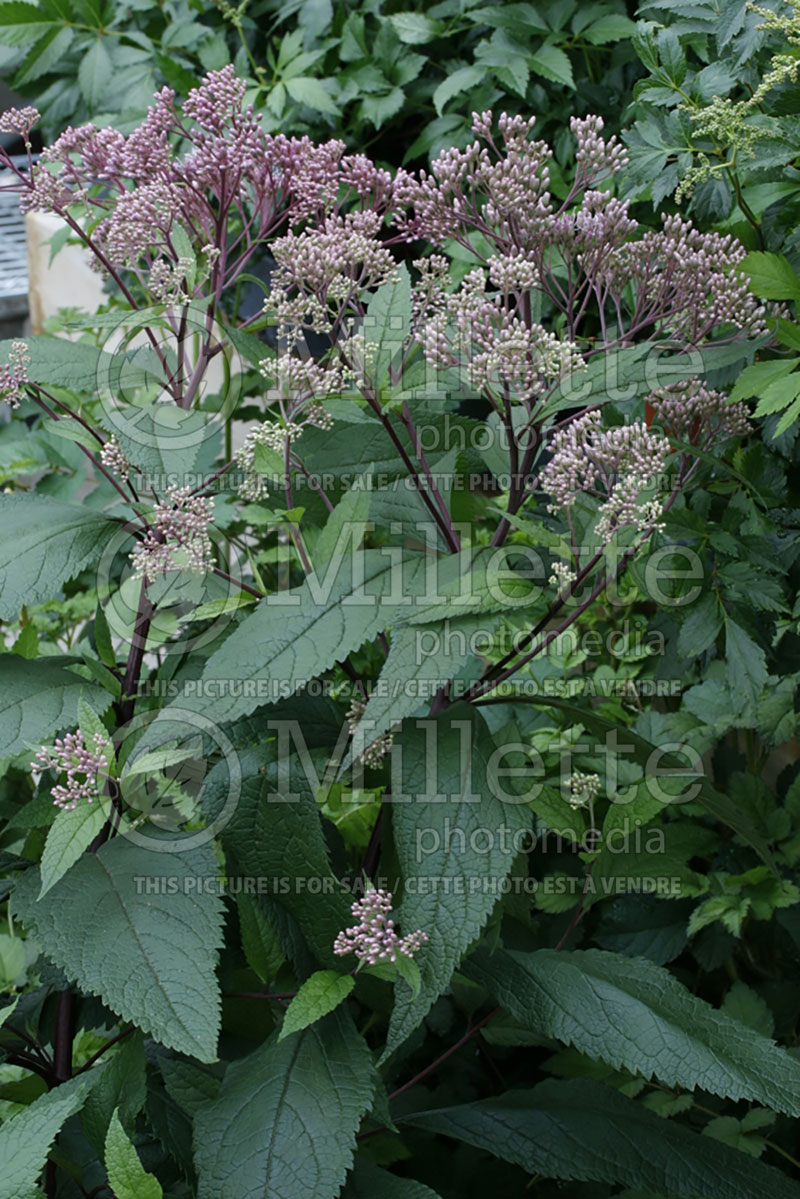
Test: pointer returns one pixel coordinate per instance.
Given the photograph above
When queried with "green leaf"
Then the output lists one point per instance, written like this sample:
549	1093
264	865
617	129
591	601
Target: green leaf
294	636
388	321
744	1004
26	1137
552	63
415	28
633	1014
21	22
276	835
459	81
580	1129
306	90
747	664
378	109
368	1181
699	630
772	277
260	940
95	73
351	511
151	956
753	380
119	1085
285	1121
39	698
319	994
611	28
42	57
422	659
450	823
126	1174
69	835
44	543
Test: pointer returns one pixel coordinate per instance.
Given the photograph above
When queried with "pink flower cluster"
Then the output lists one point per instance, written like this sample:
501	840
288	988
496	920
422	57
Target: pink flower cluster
14	374
178	536
84	768
374	938
137	189
696	414
112	456
615	465
19	121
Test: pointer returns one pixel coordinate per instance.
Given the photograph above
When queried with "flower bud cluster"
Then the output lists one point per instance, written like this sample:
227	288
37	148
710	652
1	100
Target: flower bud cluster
563	576
20	121
501	353
686	283
14	374
303	380
616	465
373	754
374	938
693	413
178	536
84	768
583	789
111	455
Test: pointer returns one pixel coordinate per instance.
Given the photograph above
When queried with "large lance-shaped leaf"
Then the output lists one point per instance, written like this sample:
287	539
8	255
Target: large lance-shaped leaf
137	928
583	1130
45	542
38	698
293	636
284	1124
421	660
718	805
26	1138
454	838
275	835
630	1012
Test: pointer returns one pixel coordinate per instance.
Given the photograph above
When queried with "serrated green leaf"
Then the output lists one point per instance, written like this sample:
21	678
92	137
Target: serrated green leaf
69	835
454	827
552	63
39	698
306	90
276	835
285	1121
415	28
26	1137
260	940
579	1129
611	28
457	82
95	73
747	665
126	1174
44	55
44	543
318	996
21	22
151	957
300	633
633	1014
771	276
118	1084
